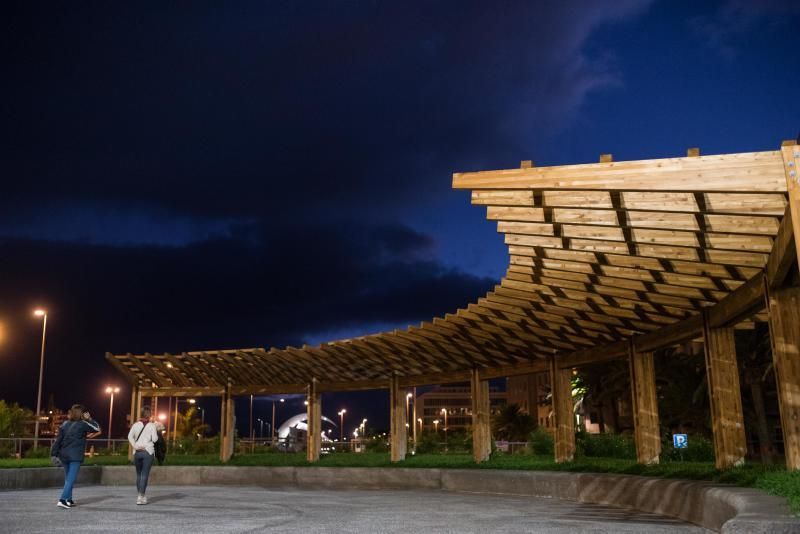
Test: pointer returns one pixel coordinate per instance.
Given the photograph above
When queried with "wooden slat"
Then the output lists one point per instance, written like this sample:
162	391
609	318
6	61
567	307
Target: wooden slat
746	172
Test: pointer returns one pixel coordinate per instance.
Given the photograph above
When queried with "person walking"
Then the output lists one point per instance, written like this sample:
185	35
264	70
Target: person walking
142	437
69	448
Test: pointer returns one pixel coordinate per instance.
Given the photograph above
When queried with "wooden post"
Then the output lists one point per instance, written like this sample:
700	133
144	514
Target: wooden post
226	441
722	373
314	420
223	419
397	415
645	407
136	400
563	413
481	427
791	165
784	333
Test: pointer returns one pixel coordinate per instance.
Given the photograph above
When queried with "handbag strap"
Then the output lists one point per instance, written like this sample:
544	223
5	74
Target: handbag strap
141	431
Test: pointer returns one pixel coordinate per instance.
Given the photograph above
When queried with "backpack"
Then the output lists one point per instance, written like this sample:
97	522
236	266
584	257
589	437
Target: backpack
160	448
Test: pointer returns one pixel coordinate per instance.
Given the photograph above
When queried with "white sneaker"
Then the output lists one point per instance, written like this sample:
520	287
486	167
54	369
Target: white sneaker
141	500
138	499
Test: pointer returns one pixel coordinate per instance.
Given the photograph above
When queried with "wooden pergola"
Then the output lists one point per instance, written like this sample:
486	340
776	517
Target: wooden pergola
609	260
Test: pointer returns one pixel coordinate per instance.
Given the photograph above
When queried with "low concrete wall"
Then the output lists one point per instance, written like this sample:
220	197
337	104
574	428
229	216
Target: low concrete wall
720	508
45	477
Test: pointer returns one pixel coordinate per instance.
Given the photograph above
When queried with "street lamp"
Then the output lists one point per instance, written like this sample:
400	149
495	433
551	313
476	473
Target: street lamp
43	314
364	427
261	432
110	391
420	424
341	424
436	425
444	411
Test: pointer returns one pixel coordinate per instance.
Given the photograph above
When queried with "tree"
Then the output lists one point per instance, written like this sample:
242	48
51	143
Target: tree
189	424
13	418
511	424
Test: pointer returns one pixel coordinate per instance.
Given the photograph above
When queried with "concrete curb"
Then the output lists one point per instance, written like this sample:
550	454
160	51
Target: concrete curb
720	508
45	477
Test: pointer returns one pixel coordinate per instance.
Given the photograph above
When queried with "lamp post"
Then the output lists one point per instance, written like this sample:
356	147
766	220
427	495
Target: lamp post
341	424
364	427
420	424
272	428
414	416
252	436
261	431
444	411
43	314
110	390
436	426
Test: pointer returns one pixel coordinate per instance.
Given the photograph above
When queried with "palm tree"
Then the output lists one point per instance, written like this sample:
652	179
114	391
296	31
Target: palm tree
511	424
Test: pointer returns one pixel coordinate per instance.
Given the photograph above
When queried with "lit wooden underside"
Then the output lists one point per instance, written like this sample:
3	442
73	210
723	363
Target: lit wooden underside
599	254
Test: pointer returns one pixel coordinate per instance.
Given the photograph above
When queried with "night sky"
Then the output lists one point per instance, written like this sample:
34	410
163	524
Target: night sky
185	176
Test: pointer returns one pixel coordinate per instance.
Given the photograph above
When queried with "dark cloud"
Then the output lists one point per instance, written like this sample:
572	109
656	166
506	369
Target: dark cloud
267	286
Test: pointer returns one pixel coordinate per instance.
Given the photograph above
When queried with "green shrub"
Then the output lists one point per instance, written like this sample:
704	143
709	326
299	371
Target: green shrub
41	452
377	444
605	445
540	441
428	443
700	449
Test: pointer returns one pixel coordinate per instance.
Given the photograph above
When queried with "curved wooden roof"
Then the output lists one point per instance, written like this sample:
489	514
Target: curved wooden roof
600	254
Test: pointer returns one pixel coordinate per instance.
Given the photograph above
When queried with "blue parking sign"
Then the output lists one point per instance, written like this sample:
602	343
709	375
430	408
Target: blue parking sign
680	441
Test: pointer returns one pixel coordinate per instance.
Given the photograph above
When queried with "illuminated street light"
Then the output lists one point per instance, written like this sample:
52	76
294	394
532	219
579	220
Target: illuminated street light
341	423
110	390
162	417
444	411
192	401
43	314
436	425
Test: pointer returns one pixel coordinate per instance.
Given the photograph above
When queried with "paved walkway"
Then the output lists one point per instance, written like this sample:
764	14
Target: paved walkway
247	509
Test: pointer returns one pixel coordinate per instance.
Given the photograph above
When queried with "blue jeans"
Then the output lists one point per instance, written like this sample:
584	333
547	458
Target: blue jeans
143	461
70	476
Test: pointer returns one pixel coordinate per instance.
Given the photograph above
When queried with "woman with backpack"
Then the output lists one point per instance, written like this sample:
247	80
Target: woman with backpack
142	437
69	448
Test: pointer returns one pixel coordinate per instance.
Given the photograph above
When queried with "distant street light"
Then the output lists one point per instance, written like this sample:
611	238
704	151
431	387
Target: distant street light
436	425
420	423
444	411
341	424
110	391
43	314
261	432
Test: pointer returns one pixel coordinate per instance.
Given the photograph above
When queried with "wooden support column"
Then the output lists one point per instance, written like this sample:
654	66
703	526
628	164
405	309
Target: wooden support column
563	413
722	373
226	441
481	424
397	415
784	333
314	420
645	407
136	402
791	164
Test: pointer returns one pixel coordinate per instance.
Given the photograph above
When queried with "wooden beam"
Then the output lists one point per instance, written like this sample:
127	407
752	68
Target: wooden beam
647	435
746	172
784	252
670	335
186	392
398	433
605	353
791	160
227	426
314	421
722	373
741	304
784	326
563	413
481	424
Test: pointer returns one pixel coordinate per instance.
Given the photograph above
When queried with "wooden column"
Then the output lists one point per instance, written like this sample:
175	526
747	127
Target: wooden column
136	401
645	407
397	415
784	333
314	420
791	164
226	441
563	413
722	373
481	424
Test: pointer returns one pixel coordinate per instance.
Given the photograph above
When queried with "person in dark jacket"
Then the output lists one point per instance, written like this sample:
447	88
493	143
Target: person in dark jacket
70	447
